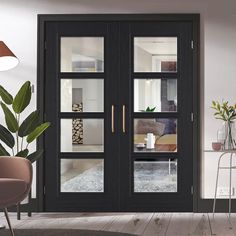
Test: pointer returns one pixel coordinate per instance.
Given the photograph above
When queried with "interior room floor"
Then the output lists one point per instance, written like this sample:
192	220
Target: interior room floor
148	177
147	224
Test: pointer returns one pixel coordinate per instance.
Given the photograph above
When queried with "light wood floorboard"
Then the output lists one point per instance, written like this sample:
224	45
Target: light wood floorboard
119	222
180	224
137	223
200	225
158	224
221	225
143	224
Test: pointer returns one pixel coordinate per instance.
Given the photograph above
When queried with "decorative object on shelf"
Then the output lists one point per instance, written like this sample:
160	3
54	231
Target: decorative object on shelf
167	66
216	146
148	109
221	135
150	140
140	146
227	113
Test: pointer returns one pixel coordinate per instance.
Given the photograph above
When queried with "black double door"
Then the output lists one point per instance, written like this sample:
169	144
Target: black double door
119	97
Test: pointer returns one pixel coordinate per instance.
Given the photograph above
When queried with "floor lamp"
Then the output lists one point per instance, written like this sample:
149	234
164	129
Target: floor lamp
8	60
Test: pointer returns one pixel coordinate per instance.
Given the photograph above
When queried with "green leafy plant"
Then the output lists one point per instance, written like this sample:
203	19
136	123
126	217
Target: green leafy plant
148	109
227	113
224	111
18	135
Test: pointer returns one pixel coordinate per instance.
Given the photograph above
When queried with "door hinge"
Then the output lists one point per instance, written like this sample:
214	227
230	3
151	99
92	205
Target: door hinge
192	44
32	88
45	45
44	190
192	189
192	117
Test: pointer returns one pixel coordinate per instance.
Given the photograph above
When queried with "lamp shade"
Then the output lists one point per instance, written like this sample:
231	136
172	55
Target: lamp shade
7	58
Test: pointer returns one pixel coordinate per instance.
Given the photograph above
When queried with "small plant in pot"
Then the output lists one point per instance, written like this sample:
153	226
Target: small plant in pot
227	113
149	109
18	135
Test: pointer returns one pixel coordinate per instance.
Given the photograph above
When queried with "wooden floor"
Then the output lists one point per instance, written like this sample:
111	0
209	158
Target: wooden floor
146	224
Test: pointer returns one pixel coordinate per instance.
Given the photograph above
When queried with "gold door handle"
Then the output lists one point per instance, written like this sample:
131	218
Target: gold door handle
123	118
112	118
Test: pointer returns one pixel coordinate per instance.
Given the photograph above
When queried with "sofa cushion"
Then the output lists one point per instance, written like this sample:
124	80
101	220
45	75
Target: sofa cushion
145	126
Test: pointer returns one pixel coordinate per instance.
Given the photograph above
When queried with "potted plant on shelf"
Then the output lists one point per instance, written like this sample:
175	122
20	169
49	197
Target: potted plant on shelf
227	113
149	109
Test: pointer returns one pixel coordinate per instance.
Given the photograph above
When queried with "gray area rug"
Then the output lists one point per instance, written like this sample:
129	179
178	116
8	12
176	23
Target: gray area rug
148	177
60	232
90	180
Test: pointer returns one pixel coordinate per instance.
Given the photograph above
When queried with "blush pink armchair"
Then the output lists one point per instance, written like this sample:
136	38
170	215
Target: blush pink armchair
15	182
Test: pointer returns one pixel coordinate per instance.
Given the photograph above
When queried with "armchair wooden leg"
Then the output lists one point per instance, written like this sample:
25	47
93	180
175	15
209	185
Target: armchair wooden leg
18	211
8	221
29	204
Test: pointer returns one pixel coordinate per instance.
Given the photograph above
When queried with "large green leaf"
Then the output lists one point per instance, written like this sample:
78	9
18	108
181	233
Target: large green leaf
22	98
3	151
35	155
23	153
29	124
6	137
10	119
37	132
6	97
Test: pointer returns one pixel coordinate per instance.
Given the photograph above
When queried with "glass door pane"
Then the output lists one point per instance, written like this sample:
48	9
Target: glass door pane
82	135
155	95
155	135
155	54
84	175
155	176
82	95
82	54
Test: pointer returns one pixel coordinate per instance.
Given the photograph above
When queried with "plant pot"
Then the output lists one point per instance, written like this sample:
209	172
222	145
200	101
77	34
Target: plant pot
216	146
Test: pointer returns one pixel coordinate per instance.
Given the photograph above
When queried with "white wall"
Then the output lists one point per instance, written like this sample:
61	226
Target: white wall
18	28
147	94
143	60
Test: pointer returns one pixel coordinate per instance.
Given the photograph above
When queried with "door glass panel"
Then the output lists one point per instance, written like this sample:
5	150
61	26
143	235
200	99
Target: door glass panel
155	54
82	54
155	135
82	135
155	176
84	175
82	95
156	95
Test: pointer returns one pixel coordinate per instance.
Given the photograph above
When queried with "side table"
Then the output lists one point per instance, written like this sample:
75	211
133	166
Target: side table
229	154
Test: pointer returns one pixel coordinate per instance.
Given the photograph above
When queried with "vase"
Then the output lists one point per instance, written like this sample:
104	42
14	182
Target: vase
226	135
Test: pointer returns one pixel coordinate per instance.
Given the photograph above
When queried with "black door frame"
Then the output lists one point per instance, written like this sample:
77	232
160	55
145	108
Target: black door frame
192	18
